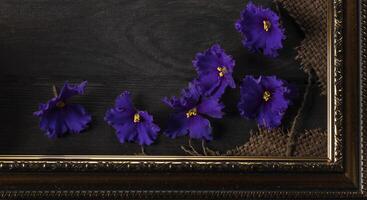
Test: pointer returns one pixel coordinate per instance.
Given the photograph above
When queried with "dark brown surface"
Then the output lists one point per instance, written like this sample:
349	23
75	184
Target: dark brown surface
142	46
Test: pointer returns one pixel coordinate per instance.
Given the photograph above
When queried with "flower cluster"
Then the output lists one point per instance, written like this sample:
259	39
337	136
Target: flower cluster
261	30
58	117
201	98
264	99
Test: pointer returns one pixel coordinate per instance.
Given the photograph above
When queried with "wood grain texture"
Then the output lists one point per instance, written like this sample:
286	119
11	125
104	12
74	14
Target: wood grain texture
144	46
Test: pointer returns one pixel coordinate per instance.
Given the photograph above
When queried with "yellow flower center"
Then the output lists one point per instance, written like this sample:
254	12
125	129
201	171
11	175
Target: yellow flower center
221	71
191	112
136	118
267	25
266	96
60	104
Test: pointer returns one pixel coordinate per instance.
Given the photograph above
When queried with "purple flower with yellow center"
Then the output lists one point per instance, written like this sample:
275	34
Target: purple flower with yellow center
190	112
261	30
214	68
265	99
131	125
58	117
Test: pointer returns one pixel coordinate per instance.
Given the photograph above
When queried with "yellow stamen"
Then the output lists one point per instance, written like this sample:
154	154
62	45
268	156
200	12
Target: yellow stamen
267	25
266	96
222	70
136	118
60	104
191	112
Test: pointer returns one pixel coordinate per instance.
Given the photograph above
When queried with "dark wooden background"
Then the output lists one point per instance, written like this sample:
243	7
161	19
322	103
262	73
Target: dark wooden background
144	46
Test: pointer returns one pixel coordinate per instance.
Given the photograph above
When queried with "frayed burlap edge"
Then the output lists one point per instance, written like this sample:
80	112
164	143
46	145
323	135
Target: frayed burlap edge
312	18
263	142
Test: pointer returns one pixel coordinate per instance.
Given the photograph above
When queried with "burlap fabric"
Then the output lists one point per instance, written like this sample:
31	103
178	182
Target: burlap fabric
311	143
311	15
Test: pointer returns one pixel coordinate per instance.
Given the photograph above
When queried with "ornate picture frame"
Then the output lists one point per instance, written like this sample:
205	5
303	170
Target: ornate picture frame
342	174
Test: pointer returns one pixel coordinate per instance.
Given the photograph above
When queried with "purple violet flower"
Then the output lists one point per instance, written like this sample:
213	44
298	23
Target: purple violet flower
190	112
265	99
131	124
214	68
260	29
58	117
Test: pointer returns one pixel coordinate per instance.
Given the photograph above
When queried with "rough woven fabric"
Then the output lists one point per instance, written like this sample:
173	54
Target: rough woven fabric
263	143
311	143
311	15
